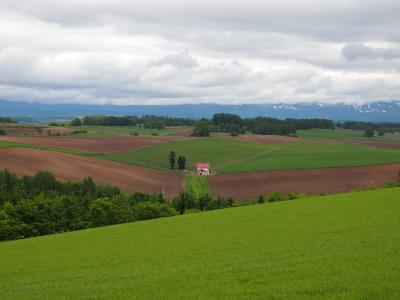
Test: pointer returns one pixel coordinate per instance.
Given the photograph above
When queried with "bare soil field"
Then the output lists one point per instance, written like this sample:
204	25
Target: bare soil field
129	178
21	130
98	144
310	181
378	144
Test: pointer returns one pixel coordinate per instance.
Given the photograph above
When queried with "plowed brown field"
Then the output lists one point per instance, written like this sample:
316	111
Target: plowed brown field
129	178
310	181
101	145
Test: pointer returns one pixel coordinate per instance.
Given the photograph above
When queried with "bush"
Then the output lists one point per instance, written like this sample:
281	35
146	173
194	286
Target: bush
275	196
2	132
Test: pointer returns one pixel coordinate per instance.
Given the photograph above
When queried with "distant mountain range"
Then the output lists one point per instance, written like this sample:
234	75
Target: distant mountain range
38	112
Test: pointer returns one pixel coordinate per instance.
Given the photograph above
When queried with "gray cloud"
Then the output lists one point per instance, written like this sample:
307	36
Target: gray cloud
199	51
361	51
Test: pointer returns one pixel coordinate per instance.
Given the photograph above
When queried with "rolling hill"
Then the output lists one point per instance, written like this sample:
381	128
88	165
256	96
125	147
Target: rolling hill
337	247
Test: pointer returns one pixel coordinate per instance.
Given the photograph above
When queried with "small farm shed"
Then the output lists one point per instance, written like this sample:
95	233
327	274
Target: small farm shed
203	169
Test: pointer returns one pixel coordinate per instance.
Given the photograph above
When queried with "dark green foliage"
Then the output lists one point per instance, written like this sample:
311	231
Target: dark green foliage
369	132
7	120
2	131
150	121
275	196
181	162
234	129
172	159
76	122
202	129
154	124
39	205
383	127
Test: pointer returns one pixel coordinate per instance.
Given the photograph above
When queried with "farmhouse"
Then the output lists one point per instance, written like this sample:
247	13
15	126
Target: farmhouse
203	169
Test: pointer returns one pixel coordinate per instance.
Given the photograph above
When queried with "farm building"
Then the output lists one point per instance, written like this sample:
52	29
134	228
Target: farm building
203	169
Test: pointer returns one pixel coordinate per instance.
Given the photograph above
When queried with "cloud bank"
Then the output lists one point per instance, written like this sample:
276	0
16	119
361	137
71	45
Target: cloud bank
170	52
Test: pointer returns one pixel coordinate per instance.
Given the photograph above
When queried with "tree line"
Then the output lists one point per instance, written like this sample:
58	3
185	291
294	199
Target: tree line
153	122
40	205
7	120
235	125
379	127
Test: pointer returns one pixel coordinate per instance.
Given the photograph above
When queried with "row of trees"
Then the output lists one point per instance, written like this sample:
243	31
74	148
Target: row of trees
235	125
7	120
379	127
154	122
39	205
172	161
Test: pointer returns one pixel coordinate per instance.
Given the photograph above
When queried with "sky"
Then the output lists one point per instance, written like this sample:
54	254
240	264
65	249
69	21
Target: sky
173	52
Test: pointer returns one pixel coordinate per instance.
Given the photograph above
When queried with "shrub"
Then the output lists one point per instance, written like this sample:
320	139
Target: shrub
275	196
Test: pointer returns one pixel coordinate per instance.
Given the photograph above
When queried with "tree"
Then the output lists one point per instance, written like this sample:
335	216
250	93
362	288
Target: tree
76	122
369	132
181	162
234	129
172	159
202	128
2	131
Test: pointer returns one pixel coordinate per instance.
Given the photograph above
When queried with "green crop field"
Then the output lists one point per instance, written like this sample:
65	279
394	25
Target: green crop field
307	154
217	151
237	156
330	134
333	247
118	130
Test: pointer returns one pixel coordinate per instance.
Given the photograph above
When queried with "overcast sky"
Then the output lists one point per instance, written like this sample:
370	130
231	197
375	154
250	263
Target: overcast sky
167	52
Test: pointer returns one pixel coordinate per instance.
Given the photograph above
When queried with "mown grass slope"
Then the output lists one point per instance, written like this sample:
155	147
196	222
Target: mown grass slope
238	156
337	247
330	134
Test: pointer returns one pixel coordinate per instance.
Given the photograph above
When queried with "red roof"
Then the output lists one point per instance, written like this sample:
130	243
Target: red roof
203	166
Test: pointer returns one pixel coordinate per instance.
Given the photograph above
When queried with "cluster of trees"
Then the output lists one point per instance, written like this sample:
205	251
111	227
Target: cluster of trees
235	125
172	161
188	202
202	128
379	127
39	205
7	120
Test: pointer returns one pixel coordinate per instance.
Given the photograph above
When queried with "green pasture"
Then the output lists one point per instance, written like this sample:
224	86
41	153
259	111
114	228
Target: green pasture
330	134
217	151
333	247
95	131
238	156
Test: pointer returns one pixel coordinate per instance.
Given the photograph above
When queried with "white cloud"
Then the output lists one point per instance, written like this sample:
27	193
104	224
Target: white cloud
130	52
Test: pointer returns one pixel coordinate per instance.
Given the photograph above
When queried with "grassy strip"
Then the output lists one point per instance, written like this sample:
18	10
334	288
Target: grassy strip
197	185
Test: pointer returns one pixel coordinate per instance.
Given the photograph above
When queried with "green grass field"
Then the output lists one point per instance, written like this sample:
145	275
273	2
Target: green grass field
217	151
237	156
94	131
337	247
330	134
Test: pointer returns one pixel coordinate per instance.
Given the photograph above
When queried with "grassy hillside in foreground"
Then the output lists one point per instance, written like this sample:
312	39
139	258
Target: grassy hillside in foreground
337	247
238	156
